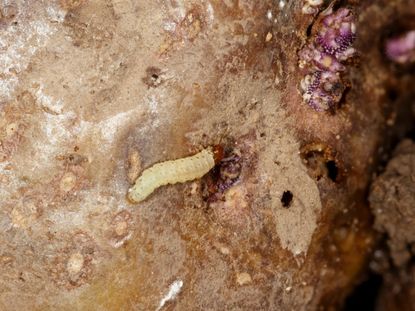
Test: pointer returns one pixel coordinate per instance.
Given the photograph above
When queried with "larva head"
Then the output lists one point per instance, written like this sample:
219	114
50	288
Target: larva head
130	197
218	153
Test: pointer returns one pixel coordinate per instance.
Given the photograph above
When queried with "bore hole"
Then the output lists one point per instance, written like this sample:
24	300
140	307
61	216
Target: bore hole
393	95
322	162
332	170
308	31
287	198
154	77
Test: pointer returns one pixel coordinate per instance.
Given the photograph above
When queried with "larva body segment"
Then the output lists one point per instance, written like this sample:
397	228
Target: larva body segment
172	172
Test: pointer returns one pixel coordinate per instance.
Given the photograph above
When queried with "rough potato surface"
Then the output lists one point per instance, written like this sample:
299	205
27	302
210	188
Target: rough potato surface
92	92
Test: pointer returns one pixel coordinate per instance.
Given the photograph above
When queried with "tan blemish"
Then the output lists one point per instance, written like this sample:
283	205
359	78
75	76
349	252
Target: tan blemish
134	165
67	182
23	215
11	129
75	263
224	250
71	4
243	278
194	29
18	219
234	210
121	228
27	102
6	260
268	38
192	24
235	197
9	12
165	46
4	179
188	29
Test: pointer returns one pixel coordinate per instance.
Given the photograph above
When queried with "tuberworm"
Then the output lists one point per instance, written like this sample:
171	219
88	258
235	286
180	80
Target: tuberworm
174	171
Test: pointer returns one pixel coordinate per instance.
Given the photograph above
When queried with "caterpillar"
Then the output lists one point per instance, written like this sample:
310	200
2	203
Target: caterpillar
174	171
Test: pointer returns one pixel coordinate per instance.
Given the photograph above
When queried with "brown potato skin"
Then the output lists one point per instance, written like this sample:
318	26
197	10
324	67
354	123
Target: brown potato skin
103	89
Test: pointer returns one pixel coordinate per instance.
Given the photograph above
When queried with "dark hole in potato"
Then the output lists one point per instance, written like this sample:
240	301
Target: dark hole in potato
392	95
322	162
287	198
332	170
153	77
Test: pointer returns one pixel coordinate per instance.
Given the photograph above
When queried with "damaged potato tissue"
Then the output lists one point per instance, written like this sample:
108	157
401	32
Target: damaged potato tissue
207	155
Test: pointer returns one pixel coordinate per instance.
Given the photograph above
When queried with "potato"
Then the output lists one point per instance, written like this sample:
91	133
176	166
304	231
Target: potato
94	92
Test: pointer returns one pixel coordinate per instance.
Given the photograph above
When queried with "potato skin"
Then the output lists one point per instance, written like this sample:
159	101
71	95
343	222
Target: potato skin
89	83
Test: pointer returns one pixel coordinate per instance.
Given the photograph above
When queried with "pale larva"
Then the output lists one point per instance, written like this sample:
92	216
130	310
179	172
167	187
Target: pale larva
174	171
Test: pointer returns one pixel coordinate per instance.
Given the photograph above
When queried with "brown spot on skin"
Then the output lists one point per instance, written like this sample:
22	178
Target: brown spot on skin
27	102
73	265
87	33
243	278
11	136
67	182
234	210
120	228
14	121
192	24
25	212
6	260
18	219
11	129
133	165
72	159
187	29
8	12
154	77
71	4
